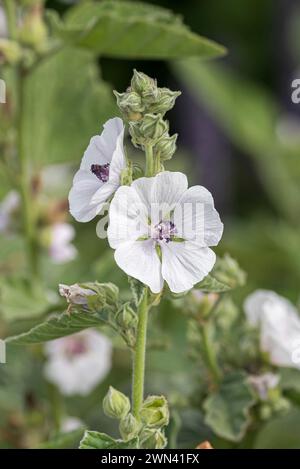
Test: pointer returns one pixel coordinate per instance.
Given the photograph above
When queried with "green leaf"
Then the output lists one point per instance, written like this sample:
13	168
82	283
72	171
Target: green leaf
63	440
225	276
211	285
19	299
132	30
63	94
96	440
137	290
227	410
281	432
59	325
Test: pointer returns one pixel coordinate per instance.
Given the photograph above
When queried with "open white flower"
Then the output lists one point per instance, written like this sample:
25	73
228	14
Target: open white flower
279	324
61	249
161	230
99	174
77	363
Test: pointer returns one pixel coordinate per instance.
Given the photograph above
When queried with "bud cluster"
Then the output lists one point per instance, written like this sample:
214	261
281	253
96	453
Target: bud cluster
144	105
153	417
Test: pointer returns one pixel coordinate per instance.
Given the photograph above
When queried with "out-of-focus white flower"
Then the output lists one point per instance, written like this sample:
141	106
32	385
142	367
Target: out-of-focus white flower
162	230
9	204
262	384
61	250
69	424
75	294
77	363
279	324
3	23
99	173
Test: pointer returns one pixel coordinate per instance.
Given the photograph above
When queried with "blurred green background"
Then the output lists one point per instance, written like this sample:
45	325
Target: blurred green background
239	135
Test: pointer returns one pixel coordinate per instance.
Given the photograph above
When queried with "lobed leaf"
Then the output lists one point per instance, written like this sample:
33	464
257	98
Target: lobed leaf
96	440
227	410
132	30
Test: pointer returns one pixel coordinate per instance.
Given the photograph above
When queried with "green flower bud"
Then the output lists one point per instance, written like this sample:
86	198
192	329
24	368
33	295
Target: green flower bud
228	271
166	146
152	438
10	51
143	85
130	104
33	31
127	317
109	291
126	175
155	411
164	102
149	129
129	427
116	404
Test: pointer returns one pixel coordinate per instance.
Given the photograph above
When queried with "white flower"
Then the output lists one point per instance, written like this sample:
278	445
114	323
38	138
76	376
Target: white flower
75	294
262	384
9	204
69	424
61	250
279	324
161	230
99	173
77	363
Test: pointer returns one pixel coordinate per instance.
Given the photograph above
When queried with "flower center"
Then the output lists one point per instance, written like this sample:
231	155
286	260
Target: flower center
164	231
101	171
75	347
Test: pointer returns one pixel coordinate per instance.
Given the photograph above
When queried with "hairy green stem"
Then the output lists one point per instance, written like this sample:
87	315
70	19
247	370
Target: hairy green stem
209	354
139	356
149	161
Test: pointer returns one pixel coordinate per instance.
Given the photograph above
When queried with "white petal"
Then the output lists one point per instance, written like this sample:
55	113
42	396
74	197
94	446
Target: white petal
279	326
140	260
102	147
128	217
184	264
80	202
196	219
161	193
118	161
267	302
103	193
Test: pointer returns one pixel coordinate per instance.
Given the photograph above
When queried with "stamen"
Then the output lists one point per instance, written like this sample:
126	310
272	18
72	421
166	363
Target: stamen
101	171
164	231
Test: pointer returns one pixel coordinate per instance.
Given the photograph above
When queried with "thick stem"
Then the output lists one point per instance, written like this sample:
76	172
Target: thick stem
139	357
209	354
149	161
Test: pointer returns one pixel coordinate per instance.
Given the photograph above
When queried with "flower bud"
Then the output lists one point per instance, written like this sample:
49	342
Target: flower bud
108	291
155	411
127	317
116	404
152	438
129	427
130	104
229	272
10	51
143	85
166	146
148	130
75	294
164	102
33	31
